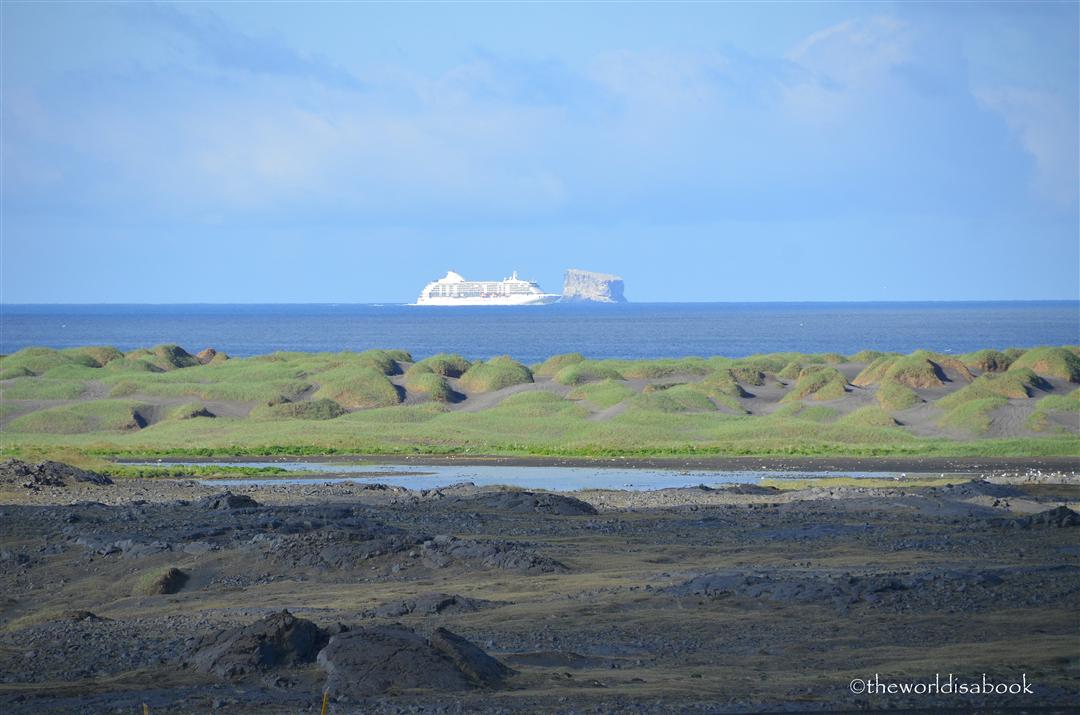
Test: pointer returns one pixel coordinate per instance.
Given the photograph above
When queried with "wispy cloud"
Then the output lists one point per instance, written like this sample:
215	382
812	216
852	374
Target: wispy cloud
229	48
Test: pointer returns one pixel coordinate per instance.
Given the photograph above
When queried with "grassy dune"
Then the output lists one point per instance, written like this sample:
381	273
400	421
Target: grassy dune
495	374
164	401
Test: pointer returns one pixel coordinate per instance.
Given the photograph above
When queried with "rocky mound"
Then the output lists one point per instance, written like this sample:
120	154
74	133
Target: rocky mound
529	502
228	501
169	581
1061	516
280	639
444	550
370	661
430	604
46	474
977	488
843	590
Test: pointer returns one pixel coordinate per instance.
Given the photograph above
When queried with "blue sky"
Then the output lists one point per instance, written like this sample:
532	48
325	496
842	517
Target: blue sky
247	152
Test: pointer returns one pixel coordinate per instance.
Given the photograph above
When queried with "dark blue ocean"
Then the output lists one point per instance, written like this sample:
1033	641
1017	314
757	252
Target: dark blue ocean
532	333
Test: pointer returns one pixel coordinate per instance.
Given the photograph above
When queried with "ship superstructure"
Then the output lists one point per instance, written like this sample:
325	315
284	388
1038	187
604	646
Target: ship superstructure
453	289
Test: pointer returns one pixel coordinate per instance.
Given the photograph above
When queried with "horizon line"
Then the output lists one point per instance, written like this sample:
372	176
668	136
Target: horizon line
574	304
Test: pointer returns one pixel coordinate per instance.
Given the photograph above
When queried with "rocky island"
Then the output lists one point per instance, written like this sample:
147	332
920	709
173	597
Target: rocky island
588	287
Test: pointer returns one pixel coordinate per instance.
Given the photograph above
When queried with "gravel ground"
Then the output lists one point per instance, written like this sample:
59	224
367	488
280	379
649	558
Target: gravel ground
745	599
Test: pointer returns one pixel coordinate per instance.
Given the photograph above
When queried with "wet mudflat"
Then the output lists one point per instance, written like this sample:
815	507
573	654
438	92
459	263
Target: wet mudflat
479	599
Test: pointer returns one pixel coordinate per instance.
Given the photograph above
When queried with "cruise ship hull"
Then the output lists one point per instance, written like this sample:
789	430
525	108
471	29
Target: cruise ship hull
542	299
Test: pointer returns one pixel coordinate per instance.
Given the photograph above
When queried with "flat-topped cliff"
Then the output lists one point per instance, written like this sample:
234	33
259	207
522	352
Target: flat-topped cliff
587	286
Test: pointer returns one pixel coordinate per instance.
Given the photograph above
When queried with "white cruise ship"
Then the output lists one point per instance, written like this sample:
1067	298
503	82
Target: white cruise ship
455	290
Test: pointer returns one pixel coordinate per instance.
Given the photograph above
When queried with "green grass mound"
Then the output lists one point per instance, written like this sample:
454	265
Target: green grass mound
657	369
189	411
1063	403
869	416
791	371
165	357
400	355
824	383
425	382
874	373
357	387
677	398
1054	362
748	375
131	364
1014	384
722	388
385	361
495	374
83	417
44	388
916	371
579	373
972	416
10	373
553	364
604	394
446	364
893	396
73	372
869	356
818	414
532	404
320	409
770	363
37	361
987	360
94	355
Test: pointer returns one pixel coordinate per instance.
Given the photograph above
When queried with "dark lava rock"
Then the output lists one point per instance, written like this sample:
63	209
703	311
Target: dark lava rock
430	604
1060	517
169	581
479	667
81	616
749	489
228	500
529	502
47	474
837	589
280	639
370	661
976	488
444	550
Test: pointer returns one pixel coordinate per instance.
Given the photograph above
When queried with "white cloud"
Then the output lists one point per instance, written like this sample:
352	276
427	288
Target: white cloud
844	63
1047	128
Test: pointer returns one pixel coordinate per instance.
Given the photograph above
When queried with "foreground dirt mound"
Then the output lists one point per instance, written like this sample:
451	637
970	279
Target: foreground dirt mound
46	474
370	661
280	639
530	502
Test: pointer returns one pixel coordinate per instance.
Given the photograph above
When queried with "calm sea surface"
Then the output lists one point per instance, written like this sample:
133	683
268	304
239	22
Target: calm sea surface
533	333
